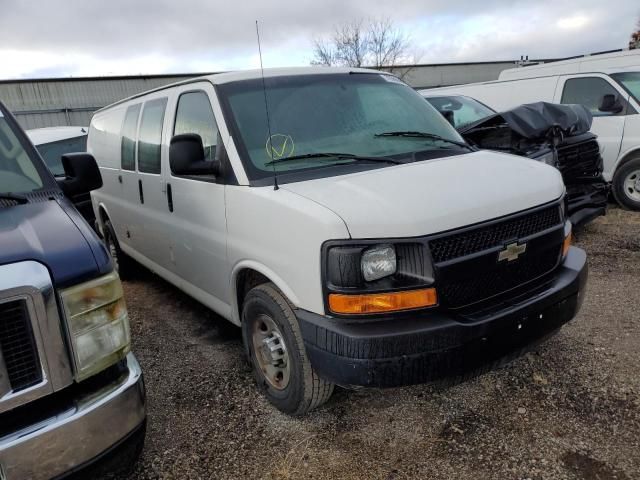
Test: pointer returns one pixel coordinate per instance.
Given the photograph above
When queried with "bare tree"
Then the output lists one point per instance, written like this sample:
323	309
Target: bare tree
375	43
634	41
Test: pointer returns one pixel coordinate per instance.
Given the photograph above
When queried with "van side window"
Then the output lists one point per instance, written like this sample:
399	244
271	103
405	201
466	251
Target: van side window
194	115
588	91
128	142
150	136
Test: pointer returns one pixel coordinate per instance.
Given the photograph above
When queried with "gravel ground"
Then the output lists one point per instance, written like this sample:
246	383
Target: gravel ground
569	410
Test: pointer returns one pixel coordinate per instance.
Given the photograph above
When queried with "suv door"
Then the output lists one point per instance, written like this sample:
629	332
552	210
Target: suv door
197	204
588	90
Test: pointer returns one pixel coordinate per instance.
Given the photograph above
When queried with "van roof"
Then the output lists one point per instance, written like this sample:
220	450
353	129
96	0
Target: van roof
227	77
39	136
613	62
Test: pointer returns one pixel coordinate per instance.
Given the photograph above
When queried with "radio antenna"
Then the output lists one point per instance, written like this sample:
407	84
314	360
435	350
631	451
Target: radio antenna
266	109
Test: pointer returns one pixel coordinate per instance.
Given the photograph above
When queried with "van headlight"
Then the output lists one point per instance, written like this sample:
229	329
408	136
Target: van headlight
378	262
98	324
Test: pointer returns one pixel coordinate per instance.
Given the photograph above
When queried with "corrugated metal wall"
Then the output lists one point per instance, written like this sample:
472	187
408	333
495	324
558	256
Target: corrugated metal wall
58	102
72	101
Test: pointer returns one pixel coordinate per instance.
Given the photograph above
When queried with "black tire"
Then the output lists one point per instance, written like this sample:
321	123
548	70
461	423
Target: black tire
305	390
121	261
620	191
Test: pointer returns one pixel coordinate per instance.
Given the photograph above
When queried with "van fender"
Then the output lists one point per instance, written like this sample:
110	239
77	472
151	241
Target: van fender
267	272
628	154
99	220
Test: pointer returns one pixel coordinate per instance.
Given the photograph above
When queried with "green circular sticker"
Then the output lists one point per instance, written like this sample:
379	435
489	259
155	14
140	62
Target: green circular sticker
279	146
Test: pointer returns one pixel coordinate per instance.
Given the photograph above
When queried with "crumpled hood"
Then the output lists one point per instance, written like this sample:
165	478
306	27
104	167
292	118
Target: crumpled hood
434	195
50	233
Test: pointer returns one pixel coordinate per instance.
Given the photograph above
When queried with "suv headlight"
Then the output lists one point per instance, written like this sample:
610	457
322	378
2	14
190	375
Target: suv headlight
98	324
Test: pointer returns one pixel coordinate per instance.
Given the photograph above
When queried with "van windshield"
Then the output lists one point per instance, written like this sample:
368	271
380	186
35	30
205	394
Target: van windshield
630	81
18	173
321	113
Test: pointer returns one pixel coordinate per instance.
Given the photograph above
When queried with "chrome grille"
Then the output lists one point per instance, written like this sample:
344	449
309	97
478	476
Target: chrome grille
18	347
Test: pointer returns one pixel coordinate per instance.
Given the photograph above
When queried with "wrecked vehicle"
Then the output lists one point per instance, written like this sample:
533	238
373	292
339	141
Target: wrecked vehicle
555	134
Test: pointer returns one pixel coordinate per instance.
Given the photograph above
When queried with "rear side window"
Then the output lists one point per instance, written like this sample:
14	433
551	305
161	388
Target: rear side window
52	152
150	136
588	91
128	145
194	115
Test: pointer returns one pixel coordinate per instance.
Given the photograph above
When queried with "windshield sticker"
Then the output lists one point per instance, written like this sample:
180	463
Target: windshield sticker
279	146
392	79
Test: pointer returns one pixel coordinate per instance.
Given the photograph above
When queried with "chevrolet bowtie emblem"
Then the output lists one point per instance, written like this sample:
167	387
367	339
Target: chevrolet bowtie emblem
511	252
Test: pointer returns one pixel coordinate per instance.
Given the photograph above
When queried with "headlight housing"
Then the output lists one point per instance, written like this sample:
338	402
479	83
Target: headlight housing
367	277
550	158
98	324
566	245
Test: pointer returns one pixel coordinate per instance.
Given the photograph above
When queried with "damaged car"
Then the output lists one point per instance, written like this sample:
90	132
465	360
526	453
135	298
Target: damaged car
554	134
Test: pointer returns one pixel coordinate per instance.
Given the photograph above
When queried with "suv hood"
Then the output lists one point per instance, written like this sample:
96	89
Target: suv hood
435	195
53	233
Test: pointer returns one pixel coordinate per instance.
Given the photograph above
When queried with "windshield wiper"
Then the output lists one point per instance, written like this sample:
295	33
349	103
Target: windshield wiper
338	156
431	136
16	197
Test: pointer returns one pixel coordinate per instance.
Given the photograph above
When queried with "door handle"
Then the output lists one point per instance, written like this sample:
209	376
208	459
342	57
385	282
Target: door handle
119	178
140	191
169	197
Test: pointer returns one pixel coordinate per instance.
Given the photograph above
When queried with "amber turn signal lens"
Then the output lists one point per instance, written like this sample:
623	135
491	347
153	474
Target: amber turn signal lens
382	302
566	245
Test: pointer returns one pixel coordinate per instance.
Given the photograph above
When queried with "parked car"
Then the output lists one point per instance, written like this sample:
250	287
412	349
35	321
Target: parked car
71	392
52	143
555	134
352	234
608	85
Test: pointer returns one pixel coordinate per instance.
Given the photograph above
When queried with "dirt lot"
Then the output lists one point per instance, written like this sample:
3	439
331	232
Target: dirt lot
570	410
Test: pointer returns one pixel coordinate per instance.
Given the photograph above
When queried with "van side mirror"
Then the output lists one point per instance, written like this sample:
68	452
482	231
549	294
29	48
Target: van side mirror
186	156
82	174
610	104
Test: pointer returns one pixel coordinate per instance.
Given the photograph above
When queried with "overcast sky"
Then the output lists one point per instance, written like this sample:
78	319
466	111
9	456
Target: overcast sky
113	37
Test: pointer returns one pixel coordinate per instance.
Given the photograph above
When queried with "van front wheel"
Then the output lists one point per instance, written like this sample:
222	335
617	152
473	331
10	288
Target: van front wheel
276	351
626	184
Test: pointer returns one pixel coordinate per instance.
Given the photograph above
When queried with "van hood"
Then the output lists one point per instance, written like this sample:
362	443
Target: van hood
53	233
432	196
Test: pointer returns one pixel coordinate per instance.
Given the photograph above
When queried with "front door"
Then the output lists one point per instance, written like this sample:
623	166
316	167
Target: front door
196	204
609	127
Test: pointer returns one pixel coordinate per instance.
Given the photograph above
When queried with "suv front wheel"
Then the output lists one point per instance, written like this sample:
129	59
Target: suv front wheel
276	351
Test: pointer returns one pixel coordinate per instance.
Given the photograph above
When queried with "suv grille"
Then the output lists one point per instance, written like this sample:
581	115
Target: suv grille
505	276
17	346
488	236
581	160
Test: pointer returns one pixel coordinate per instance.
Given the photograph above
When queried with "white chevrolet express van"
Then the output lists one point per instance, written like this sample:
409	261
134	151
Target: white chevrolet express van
608	85
351	233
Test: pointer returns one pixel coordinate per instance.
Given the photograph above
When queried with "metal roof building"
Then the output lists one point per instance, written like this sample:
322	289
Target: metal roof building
72	101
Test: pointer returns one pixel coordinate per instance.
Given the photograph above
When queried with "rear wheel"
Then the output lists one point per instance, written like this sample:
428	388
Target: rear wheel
276	351
122	263
626	184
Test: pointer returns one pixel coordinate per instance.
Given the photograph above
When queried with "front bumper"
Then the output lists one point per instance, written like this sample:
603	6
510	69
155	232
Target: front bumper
586	201
76	436
437	346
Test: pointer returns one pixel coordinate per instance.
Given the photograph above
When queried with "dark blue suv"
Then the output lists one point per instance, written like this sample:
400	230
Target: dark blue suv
72	397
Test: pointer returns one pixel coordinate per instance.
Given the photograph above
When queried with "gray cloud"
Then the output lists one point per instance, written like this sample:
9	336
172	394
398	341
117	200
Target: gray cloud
187	34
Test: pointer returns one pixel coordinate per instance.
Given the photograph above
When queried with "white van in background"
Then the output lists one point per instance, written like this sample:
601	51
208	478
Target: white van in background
352	234
607	84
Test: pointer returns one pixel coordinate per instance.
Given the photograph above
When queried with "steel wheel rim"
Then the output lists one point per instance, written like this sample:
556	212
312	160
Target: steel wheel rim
271	352
632	185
